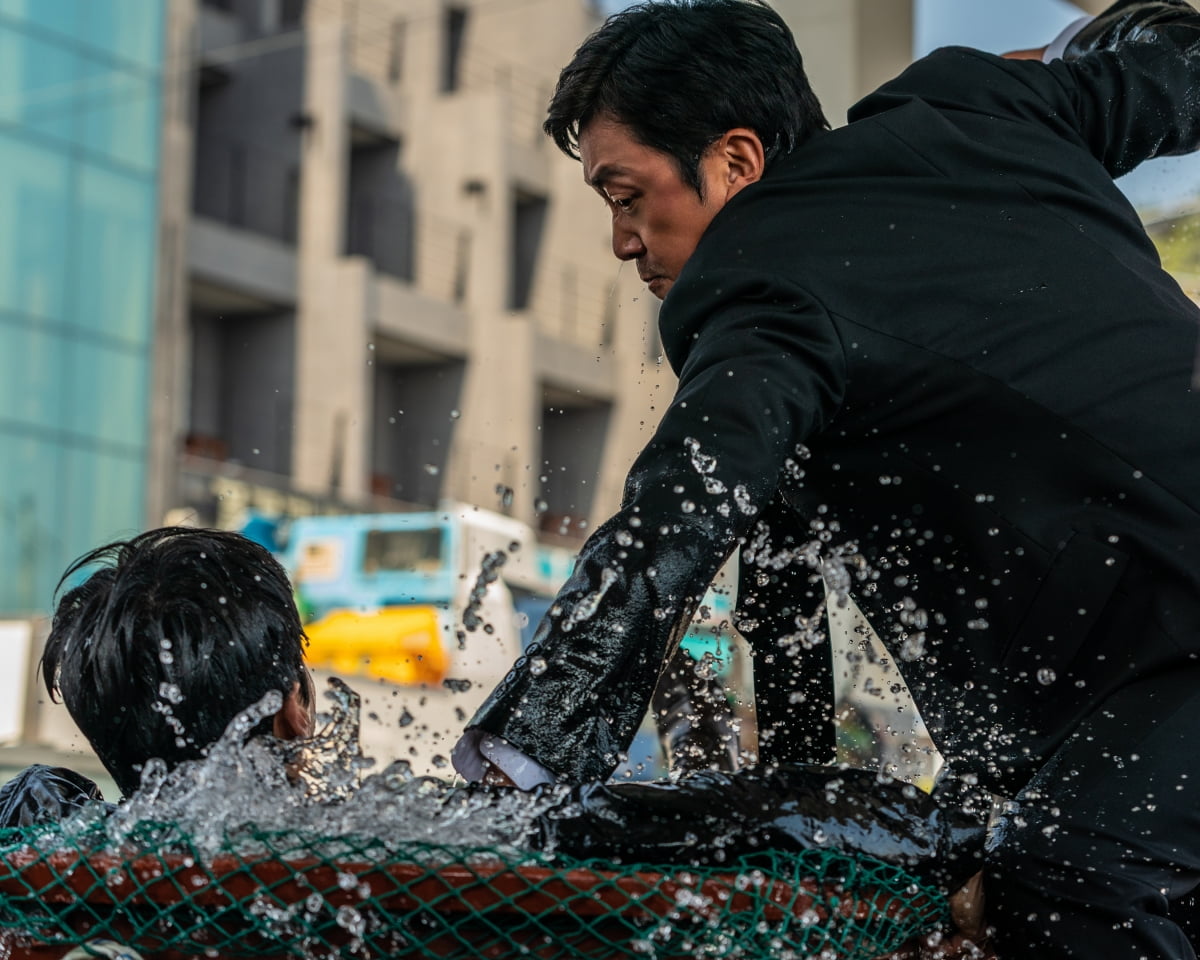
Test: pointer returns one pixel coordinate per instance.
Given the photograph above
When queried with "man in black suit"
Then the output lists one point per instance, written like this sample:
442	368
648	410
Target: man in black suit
931	358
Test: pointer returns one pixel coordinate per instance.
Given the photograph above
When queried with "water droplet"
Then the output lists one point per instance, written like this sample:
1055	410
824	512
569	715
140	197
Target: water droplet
351	921
537	666
170	692
432	469
1046	676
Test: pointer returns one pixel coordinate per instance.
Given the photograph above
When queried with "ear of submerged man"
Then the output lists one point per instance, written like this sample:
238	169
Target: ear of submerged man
295	719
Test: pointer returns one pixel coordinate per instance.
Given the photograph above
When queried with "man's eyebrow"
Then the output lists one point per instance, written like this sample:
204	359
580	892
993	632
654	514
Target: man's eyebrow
605	171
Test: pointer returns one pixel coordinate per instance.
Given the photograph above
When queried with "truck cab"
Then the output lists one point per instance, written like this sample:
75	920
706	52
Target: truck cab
421	612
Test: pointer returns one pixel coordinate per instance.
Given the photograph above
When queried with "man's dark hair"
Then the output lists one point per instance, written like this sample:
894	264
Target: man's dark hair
680	73
158	650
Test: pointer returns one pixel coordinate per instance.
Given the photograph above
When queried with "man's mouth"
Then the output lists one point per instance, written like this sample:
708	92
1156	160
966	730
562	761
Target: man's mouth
657	285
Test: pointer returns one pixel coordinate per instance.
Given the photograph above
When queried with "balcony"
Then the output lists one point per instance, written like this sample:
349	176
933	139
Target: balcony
242	183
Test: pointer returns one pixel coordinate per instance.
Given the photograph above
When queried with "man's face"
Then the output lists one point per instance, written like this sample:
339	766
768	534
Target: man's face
657	218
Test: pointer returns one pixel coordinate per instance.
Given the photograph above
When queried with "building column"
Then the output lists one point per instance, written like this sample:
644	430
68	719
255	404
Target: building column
332	397
495	443
169	386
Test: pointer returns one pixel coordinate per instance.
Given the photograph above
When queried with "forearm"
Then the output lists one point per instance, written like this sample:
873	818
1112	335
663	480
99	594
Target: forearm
1132	21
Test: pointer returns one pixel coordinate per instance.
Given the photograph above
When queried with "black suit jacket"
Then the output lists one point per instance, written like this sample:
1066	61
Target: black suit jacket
939	339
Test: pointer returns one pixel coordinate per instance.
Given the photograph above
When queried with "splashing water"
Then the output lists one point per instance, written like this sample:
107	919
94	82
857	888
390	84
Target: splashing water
489	572
319	787
587	607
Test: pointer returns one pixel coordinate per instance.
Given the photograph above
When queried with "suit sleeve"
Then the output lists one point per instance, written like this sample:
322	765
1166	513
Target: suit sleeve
1131	80
1126	91
760	368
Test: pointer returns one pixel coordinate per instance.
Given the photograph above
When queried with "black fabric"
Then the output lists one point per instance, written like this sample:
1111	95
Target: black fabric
711	817
1100	848
953	309
42	794
693	716
950	295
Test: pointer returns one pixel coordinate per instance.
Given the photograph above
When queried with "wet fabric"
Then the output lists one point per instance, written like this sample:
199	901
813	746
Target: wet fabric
1126	21
932	358
939	341
710	818
44	794
693	716
1100	855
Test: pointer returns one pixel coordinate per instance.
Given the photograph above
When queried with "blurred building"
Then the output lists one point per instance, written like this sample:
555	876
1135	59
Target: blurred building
305	256
313	255
395	290
80	102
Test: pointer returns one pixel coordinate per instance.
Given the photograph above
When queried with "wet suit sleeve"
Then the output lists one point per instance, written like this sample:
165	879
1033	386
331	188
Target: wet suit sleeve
1131	79
760	369
1127	90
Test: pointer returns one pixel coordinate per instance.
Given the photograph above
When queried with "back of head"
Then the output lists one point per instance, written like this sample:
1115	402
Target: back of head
177	632
680	73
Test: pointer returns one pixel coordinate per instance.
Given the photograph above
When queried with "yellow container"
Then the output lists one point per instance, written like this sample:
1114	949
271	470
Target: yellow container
398	644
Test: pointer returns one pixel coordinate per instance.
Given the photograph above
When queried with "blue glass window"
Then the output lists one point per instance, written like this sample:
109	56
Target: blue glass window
61	16
32	374
107	393
103	494
35	196
118	113
37	84
129	29
114	254
32	555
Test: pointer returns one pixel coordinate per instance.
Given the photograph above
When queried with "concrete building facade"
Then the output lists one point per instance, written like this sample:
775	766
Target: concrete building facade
393	289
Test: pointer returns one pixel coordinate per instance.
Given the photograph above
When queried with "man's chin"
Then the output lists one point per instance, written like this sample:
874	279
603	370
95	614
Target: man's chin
659	286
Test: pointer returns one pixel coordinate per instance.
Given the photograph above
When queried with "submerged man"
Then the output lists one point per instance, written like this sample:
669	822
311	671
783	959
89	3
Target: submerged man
938	339
172	635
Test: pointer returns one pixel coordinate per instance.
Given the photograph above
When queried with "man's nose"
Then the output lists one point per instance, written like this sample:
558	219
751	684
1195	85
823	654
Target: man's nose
627	245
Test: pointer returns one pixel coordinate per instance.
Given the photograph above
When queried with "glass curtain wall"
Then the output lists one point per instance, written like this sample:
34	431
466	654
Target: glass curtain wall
80	85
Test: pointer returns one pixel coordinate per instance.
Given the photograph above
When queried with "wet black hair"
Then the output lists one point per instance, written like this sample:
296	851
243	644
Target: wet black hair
680	73
178	631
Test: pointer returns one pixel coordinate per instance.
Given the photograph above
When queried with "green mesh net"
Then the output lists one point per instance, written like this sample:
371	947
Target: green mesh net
295	895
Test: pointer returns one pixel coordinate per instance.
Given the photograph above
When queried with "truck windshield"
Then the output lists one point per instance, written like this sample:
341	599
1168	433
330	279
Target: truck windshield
391	550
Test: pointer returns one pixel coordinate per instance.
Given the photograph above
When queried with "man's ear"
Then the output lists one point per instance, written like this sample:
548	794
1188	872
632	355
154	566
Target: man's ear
294	721
742	157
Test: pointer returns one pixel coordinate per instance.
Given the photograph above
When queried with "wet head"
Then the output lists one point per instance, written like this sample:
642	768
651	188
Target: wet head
658	217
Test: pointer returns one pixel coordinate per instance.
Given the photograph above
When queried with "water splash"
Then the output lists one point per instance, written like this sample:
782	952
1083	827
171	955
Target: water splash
320	787
489	572
587	607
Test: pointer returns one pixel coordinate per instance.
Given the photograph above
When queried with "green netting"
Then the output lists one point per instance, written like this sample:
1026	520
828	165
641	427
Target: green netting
295	895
